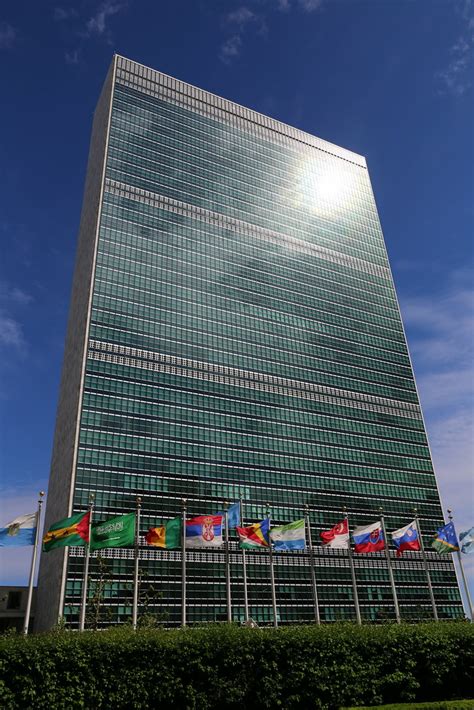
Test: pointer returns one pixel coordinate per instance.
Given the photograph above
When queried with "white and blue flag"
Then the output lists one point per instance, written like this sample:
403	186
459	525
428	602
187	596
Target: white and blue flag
21	531
289	537
466	541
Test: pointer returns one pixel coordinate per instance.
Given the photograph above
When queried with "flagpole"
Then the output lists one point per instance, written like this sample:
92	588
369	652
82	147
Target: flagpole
425	563
82	618
227	563
461	566
390	570
33	566
272	571
244	566
183	566
311	565
135	579
353	575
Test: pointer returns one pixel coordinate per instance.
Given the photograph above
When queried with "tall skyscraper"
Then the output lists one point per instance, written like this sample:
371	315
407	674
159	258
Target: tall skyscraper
234	332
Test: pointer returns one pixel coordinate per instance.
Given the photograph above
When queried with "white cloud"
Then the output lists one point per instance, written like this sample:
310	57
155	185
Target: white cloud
61	14
243	20
72	57
7	35
97	24
456	78
231	48
11	334
441	339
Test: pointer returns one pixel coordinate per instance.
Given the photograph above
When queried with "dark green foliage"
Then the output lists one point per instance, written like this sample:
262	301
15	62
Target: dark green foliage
230	667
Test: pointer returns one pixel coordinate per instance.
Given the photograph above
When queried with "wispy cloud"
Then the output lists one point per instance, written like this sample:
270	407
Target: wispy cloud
7	35
238	22
97	24
61	14
244	19
11	331
72	57
456	78
441	338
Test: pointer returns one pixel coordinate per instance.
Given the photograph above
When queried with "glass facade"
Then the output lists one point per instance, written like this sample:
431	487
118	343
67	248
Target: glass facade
244	340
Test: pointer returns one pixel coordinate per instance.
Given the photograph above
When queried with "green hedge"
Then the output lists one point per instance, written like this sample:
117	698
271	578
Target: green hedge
231	667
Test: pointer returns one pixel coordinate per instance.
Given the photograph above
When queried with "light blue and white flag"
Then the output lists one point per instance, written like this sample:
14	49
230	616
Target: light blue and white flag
21	531
466	540
289	537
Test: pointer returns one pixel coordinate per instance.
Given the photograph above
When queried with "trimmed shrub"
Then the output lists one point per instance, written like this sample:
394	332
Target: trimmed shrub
227	666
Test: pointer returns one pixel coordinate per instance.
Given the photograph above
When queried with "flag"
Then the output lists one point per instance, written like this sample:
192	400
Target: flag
204	531
406	538
168	536
233	515
290	536
255	536
21	531
467	541
445	540
73	531
337	537
369	538
114	532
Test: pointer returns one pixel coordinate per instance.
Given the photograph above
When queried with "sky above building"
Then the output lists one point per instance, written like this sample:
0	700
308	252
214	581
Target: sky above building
389	79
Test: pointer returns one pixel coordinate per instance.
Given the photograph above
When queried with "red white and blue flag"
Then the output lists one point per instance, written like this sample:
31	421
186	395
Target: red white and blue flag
204	531
406	538
369	538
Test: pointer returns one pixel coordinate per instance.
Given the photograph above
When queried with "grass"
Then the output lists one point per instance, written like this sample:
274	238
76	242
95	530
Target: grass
442	705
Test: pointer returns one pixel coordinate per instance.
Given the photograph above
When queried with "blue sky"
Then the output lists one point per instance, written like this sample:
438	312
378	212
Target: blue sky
390	79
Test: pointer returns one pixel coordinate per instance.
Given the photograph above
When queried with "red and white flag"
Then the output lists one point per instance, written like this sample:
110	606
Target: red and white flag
338	536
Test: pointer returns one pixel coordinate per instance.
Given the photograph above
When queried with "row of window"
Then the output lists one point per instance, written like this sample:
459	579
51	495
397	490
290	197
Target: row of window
259	450
143	112
176	404
133	115
184	272
200	264
169	421
186	342
207	194
182	380
142	220
323	222
165	235
124	277
113	311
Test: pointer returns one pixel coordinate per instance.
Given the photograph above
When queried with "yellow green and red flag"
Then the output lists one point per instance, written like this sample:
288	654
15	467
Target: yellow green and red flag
73	531
167	536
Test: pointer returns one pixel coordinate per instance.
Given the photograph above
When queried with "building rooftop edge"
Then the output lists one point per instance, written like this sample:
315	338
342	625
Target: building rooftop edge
351	155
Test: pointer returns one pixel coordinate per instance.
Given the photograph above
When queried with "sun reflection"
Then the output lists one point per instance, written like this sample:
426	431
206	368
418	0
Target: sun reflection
321	190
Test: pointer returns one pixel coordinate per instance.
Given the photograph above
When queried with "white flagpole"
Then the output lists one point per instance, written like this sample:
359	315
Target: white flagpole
135	578
227	563
461	566
82	618
311	565
353	575
183	566
272	572
33	566
244	567
390	570
425	563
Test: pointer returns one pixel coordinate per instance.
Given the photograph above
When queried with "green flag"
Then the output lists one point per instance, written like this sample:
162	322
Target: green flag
114	532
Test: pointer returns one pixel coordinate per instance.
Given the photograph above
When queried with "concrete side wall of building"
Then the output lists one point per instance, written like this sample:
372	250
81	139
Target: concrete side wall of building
61	481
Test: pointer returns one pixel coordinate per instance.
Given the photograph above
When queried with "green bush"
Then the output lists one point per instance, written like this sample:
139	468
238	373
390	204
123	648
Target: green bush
230	667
